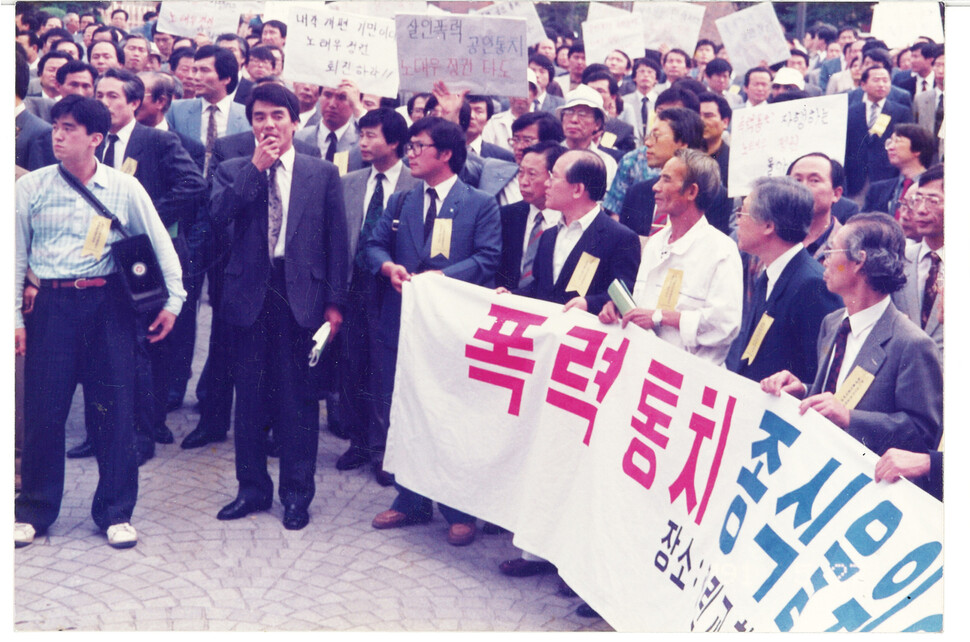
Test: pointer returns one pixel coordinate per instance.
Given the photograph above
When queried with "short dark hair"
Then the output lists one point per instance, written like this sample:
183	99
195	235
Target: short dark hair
393	126
934	173
264	52
883	241
717	66
275	94
786	203
921	141
165	86
119	54
865	73
880	57
55	34
50	56
690	84
88	112
224	63
22	76
548	126
77	47
801	54
446	136
788	94
747	74
836	171
478	98
613	87
590	171
675	94
115	33
723	107
874	43
705	41
827	32
231	37
548	149
132	85
32	38
281	26
844	28
576	47
413	98
545	63
178	54
117	11
646	62
687	58
686	124
75	67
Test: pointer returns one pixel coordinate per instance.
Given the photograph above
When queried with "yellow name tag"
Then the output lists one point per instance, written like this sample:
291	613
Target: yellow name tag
441	237
671	290
854	387
340	160
882	122
97	237
757	337
608	139
583	274
130	166
734	89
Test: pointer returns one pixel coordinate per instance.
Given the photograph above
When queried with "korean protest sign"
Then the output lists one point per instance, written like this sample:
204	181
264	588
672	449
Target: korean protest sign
486	54
672	495
534	31
753	36
600	37
766	139
675	24
380	8
602	11
900	23
210	17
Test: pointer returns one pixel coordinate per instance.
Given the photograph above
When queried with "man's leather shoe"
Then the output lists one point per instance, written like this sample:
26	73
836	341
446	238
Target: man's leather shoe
585	610
461	534
201	437
525	568
396	519
383	477
352	459
141	456
162	435
493	529
564	589
82	450
295	518
241	507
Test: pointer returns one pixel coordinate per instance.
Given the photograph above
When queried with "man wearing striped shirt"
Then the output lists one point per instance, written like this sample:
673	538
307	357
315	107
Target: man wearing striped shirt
80	328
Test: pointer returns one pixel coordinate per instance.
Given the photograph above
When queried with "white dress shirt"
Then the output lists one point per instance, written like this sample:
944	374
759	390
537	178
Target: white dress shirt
868	104
284	178
391	177
222	117
567	239
124	135
860	325
498	130
550	218
778	266
323	132
443	189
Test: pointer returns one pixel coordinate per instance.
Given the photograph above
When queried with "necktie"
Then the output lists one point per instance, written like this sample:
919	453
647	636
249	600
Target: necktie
939	115
838	353
109	151
211	133
331	146
873	113
374	209
274	205
530	252
907	182
924	85
644	110
930	289
535	105
432	213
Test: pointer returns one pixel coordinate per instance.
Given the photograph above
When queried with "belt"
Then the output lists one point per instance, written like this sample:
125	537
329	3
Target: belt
79	284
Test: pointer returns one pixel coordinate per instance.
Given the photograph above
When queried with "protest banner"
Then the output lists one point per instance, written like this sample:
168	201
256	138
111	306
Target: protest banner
766	139
326	46
210	17
485	54
601	11
600	37
674	24
534	31
671	494
382	9
900	23
753	36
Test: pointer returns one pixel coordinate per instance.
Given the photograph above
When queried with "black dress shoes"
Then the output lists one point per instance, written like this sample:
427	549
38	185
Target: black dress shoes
383	477
82	450
162	435
525	568
585	610
241	507
201	437
352	459
294	517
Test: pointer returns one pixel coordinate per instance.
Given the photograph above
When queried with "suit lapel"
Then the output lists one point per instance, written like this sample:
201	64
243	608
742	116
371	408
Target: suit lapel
587	241
416	213
872	355
298	200
135	143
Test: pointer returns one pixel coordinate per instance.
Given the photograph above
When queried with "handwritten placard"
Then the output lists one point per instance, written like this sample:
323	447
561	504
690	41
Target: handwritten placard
753	36
211	17
323	47
485	54
600	37
765	140
534	31
674	24
600	11
900	23
383	9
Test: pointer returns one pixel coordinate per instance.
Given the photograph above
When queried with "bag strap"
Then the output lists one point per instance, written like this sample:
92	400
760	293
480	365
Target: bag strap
78	186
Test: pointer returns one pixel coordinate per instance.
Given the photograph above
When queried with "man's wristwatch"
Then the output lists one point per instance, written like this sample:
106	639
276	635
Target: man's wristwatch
657	318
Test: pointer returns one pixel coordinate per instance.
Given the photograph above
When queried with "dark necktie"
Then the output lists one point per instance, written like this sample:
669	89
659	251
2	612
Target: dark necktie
838	354
274	205
644	110
211	133
930	289
924	85
331	146
873	113
374	209
939	115
432	213
535	105
109	151
907	182
530	252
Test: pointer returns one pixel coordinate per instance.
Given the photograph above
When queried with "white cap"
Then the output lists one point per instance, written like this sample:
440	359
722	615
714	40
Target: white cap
583	95
789	76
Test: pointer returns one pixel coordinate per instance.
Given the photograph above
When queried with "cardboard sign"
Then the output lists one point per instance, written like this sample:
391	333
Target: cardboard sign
753	36
534	31
674	24
211	17
900	23
600	37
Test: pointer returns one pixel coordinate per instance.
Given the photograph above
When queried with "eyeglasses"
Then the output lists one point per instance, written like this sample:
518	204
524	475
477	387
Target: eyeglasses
581	114
415	148
519	141
653	137
904	206
894	140
931	201
832	250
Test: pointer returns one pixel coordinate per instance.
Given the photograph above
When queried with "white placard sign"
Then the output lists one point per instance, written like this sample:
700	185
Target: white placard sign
323	47
534	31
766	139
675	24
211	17
753	36
381	9
900	23
600	11
600	37
485	54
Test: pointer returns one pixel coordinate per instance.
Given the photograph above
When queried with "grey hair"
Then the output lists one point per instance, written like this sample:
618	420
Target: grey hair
786	203
164	85
881	238
703	171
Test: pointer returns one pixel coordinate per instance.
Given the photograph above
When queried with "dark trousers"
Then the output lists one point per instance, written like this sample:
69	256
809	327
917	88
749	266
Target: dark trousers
183	336
271	360
88	337
214	389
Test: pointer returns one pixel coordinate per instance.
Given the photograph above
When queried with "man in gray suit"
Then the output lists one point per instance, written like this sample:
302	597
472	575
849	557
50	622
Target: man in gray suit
928	105
383	133
891	366
29	126
336	134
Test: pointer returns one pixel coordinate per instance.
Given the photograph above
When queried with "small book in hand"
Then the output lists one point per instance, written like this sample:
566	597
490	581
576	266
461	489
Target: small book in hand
621	297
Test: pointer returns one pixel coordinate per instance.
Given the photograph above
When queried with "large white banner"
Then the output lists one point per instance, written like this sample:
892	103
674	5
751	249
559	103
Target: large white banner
671	494
674	24
534	31
766	139
900	23
600	37
753	36
211	17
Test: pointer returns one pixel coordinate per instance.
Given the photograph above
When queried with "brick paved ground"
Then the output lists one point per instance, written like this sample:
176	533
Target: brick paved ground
192	572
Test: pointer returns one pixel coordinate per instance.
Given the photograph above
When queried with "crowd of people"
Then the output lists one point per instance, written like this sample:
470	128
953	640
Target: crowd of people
299	205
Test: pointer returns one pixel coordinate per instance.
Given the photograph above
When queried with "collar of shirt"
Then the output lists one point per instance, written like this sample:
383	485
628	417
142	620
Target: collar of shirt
325	131
391	174
868	104
223	105
163	125
19	109
924	252
778	266
476	145
541	97
287	158
930	81
682	245
99	177
550	218
583	222
124	135
862	322
443	189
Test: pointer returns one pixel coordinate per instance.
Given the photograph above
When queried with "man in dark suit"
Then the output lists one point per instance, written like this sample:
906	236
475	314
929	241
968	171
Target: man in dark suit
285	277
336	134
921	77
790	298
880	57
29	126
383	133
870	347
401	246
910	149
870	124
618	136
481	111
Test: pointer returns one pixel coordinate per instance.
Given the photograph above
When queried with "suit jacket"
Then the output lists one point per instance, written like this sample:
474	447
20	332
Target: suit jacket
243	89
882	195
39	106
844	209
315	255
243	145
355	189
185	116
495	175
799	301
625	140
896	95
346	143
29	127
903	406
906	81
476	238
550	102
909	299
490	150
924	113
617	248
865	154
638	207
827	69
514	219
